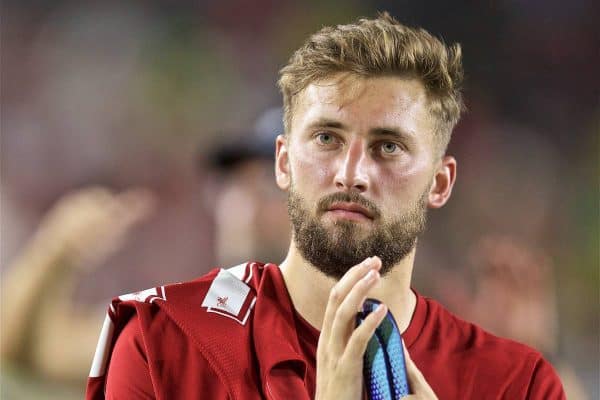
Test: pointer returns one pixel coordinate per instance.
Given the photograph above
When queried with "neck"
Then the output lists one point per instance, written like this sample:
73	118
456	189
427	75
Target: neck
309	289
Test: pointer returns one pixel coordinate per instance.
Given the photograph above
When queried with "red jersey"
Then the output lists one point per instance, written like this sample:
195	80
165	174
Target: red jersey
234	334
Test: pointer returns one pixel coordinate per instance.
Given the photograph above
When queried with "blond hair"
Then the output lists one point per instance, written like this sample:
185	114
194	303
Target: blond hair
378	47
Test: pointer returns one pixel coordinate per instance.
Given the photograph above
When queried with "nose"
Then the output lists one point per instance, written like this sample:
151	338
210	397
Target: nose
352	172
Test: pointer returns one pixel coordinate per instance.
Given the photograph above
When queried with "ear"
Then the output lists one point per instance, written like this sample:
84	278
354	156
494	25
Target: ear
443	182
282	163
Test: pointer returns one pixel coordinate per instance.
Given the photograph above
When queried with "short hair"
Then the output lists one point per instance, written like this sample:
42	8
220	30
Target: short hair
380	47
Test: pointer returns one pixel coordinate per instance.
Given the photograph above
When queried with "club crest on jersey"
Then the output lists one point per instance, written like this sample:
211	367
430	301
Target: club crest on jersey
230	296
222	301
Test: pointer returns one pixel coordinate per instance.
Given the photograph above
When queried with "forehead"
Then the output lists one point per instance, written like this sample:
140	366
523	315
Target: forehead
364	103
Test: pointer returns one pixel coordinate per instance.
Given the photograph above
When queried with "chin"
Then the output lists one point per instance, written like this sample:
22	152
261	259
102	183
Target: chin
348	230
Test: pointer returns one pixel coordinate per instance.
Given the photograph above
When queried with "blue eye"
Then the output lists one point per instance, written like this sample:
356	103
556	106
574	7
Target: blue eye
325	138
389	147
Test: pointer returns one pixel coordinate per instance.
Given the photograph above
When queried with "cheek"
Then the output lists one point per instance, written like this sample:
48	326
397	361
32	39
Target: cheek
404	184
391	187
311	170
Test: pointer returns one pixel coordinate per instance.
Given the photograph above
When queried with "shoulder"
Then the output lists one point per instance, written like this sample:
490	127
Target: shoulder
157	330
467	335
229	293
519	367
179	309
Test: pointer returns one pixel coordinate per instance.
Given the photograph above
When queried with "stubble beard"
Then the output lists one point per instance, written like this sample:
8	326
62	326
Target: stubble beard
335	249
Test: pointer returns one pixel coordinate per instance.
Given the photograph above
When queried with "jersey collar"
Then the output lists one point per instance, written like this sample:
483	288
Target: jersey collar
283	370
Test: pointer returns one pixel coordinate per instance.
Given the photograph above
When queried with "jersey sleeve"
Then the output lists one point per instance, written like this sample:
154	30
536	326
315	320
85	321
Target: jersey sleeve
545	383
129	374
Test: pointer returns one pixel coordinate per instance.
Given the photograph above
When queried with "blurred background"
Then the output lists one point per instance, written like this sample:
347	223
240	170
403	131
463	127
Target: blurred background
136	144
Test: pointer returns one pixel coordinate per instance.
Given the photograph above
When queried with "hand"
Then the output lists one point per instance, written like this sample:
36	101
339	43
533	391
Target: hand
89	224
416	381
341	346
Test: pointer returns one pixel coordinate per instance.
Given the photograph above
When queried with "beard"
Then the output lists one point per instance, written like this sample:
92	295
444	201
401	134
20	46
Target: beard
336	249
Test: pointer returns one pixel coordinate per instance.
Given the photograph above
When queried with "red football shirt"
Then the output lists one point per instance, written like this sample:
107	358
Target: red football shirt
129	376
458	359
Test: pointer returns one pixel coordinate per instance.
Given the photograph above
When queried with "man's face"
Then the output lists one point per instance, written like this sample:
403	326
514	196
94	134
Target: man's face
250	215
358	166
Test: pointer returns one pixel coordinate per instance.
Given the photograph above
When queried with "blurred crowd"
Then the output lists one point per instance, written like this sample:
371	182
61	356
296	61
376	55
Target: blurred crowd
137	143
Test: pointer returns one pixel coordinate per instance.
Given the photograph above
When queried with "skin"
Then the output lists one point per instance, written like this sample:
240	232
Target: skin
374	136
43	329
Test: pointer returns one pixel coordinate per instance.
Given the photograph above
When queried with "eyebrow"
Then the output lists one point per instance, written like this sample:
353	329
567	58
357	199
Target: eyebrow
326	123
378	131
393	132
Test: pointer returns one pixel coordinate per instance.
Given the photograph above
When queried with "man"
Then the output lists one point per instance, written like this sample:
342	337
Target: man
368	112
250	214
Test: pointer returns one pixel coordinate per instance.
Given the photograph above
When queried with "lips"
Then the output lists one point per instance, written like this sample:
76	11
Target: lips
351	208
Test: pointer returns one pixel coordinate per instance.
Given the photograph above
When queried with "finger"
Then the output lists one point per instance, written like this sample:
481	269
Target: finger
341	289
133	206
123	212
137	201
344	320
357	344
416	381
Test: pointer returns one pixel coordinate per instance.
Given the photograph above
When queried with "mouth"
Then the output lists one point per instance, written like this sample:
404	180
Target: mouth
350	211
